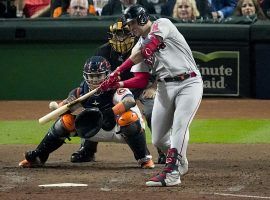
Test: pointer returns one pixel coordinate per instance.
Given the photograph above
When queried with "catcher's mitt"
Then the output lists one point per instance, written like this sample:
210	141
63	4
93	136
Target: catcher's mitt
88	122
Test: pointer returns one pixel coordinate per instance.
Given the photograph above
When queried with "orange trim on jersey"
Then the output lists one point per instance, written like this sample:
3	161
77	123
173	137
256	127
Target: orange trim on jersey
68	121
57	12
119	108
127	118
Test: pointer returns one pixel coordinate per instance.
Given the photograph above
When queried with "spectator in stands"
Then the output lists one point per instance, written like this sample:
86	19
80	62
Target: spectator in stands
221	9
99	4
265	5
7	9
249	8
185	10
158	5
204	8
36	8
78	8
117	7
62	8
167	8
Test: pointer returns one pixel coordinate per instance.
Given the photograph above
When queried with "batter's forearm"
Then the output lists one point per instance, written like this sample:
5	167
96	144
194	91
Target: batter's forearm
140	80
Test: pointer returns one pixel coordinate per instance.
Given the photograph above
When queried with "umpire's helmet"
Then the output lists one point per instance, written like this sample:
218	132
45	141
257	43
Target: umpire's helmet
95	70
135	12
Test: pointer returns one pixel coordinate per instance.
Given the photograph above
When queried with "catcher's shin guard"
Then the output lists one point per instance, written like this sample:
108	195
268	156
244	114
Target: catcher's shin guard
53	140
86	153
137	143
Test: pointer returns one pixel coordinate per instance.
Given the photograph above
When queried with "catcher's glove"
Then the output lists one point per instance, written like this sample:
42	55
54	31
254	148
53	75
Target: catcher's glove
88	122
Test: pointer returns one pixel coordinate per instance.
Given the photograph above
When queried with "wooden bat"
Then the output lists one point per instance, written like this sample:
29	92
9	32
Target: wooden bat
61	110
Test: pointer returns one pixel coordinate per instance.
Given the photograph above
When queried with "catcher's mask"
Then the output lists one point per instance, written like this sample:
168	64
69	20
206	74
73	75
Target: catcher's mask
95	71
88	122
121	38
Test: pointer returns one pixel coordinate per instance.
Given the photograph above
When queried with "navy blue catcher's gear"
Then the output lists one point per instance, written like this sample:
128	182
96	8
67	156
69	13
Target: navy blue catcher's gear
88	122
135	12
108	119
52	140
86	153
95	71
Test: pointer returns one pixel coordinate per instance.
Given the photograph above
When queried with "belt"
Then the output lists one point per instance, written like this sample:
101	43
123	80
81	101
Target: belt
180	77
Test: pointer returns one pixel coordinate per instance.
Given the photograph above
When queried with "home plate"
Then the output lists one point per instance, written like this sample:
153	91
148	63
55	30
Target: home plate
64	185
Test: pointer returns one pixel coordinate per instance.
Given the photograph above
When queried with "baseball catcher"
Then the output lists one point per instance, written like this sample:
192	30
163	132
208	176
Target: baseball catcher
111	116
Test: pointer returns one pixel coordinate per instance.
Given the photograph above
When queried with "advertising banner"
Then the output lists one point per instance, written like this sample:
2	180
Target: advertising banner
220	71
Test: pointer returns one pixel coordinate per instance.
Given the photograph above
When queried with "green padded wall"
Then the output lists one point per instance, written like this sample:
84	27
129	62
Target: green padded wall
41	71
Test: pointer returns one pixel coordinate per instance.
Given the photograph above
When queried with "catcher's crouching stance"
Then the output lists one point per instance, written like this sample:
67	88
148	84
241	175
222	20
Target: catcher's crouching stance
107	117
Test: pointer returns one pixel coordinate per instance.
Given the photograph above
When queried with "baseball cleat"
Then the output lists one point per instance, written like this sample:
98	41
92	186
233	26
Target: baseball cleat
183	166
79	157
27	164
164	179
170	176
148	164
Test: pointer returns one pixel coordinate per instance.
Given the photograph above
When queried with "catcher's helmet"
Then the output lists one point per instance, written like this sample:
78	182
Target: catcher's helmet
135	12
95	70
120	38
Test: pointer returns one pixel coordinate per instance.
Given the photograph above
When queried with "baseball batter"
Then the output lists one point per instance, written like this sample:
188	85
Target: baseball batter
165	52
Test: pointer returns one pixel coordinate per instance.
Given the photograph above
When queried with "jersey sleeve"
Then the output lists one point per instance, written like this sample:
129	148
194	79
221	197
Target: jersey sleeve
120	94
140	67
161	27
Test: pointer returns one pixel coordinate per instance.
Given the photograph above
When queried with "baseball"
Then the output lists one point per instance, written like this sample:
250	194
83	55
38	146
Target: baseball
53	105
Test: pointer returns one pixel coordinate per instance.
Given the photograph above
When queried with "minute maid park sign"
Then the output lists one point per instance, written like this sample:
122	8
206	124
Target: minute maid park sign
220	72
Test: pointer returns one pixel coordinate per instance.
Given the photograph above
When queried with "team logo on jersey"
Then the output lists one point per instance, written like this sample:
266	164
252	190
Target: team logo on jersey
155	27
150	61
95	103
148	51
121	91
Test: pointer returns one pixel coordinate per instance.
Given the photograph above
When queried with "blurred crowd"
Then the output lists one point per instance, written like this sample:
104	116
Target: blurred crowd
182	10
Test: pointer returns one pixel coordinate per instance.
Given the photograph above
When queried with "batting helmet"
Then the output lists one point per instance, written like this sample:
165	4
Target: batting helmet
120	38
95	70
88	122
135	12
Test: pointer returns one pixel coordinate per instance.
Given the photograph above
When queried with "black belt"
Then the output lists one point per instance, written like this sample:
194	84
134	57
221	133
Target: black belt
180	77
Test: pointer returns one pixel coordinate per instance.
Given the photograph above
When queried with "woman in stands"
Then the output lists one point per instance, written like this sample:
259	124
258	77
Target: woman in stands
249	8
185	10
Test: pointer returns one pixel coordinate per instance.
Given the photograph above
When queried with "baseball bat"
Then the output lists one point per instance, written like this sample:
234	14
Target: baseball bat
61	110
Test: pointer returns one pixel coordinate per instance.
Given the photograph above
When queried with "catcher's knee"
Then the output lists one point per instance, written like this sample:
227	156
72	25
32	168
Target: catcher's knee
64	126
129	123
68	121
